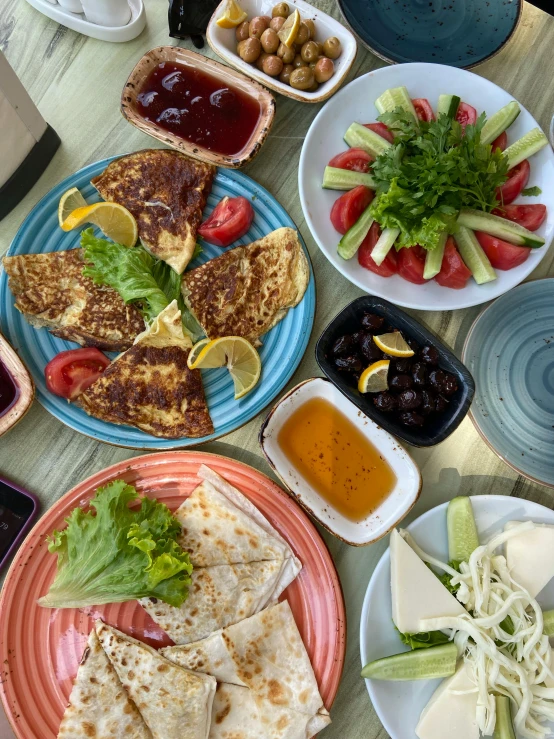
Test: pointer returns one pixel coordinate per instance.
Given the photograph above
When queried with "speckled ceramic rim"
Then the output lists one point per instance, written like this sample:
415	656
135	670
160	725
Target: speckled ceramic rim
19	408
471	414
469	66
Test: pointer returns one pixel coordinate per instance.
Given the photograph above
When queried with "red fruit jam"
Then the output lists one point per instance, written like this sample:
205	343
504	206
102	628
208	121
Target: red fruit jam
8	390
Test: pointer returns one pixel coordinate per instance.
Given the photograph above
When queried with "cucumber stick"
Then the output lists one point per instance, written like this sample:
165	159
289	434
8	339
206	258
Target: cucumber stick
421	664
433	259
504	728
384	244
350	242
462	531
548	617
396	97
448	104
525	147
499	122
346	179
478	220
364	138
473	255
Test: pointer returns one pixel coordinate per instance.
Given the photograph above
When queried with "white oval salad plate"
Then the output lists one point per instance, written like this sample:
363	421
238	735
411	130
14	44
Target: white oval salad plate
355	102
378	635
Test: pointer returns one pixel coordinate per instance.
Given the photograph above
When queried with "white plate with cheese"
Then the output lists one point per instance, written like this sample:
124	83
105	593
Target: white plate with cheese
399	704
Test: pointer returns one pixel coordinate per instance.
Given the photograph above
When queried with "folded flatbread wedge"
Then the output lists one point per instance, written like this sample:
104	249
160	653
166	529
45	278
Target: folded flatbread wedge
51	291
150	385
99	706
166	192
174	703
247	290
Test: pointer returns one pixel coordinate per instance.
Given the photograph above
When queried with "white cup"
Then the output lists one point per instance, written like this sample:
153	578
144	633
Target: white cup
73	5
107	12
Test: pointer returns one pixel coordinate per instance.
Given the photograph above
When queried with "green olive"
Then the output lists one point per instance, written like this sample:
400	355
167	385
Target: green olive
258	26
311	27
332	47
249	49
303	34
286	72
286	53
272	65
299	62
261	59
324	69
313	88
277	23
309	51
302	78
242	31
270	41
281	10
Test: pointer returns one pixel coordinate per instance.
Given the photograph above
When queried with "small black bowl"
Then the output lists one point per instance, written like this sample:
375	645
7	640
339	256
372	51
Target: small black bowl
438	427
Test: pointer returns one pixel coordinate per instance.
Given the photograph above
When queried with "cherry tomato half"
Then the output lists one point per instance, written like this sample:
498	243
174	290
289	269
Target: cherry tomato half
423	109
348	208
466	115
501	142
518	177
387	268
411	263
354	159
381	130
454	273
70	373
230	219
528	216
501	254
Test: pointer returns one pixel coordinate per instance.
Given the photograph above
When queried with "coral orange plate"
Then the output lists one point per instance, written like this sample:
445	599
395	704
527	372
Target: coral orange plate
40	648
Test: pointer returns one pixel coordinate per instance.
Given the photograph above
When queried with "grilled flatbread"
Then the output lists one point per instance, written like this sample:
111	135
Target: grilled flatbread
248	290
166	192
150	385
51	291
99	706
174	703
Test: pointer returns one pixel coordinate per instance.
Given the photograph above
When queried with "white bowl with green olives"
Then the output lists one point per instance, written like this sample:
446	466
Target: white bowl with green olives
311	69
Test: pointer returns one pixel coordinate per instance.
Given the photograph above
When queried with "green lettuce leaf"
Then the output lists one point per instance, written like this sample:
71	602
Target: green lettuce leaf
424	640
113	553
532	191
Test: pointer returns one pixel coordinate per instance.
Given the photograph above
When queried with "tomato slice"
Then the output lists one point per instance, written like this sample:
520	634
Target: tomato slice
466	115
453	273
528	216
70	373
411	263
354	159
381	130
501	142
348	208
518	177
423	109
230	219
388	267
501	254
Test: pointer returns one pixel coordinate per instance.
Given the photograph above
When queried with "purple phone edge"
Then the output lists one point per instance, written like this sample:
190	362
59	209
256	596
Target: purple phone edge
26	526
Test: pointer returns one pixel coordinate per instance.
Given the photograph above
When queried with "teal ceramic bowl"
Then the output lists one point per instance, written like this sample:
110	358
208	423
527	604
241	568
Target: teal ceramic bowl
510	352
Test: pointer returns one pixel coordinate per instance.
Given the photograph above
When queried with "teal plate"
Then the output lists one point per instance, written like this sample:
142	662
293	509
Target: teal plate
510	353
283	346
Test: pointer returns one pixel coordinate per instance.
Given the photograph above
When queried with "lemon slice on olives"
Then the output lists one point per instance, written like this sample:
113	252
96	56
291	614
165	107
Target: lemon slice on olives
233	15
394	345
374	378
289	29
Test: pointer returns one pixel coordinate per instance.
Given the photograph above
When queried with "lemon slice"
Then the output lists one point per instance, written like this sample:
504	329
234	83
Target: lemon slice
233	15
289	29
69	201
115	221
374	378
195	351
238	355
394	345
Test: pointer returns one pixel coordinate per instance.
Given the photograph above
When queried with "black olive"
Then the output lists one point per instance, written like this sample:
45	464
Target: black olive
411	418
430	355
419	373
403	365
343	345
409	399
442	403
450	385
369	348
401	382
372	322
385	402
437	379
429	402
357	336
351	363
412	343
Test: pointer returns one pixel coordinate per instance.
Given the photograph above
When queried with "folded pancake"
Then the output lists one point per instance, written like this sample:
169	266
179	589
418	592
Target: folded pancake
151	387
99	706
166	192
51	291
247	290
174	703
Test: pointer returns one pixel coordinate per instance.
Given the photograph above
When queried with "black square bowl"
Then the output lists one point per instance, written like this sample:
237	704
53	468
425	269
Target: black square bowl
438	427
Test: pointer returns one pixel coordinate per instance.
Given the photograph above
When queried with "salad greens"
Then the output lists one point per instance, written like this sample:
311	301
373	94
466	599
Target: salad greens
432	170
424	640
138	277
117	553
532	191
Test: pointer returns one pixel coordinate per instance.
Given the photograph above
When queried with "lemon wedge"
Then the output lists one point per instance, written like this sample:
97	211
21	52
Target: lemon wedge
289	29
394	345
374	378
114	220
195	351
69	201
237	354
233	15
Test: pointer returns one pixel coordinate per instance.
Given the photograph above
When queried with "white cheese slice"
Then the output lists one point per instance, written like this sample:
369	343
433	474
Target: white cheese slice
530	557
417	593
449	714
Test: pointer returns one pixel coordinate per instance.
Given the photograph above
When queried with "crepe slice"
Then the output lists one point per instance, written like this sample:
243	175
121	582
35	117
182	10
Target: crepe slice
166	192
99	706
249	289
264	653
150	386
174	703
239	714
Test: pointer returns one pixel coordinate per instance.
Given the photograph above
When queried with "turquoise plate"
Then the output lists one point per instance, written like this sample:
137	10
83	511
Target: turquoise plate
510	353
282	350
